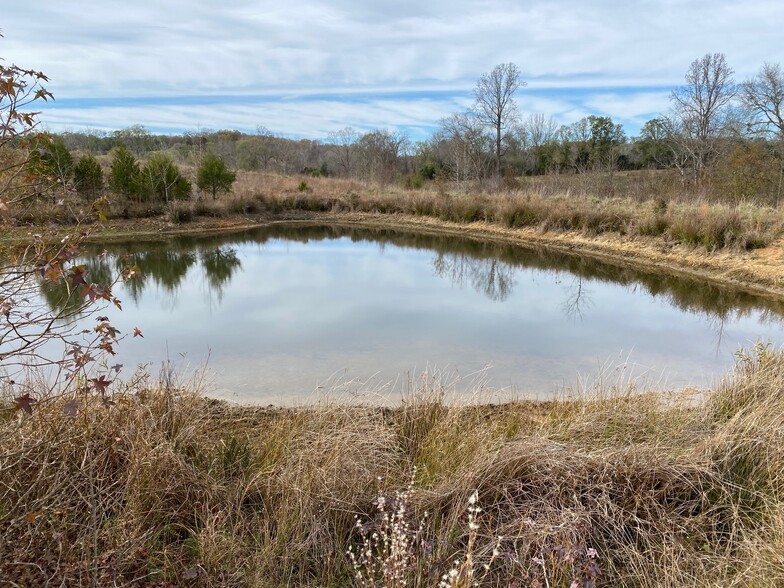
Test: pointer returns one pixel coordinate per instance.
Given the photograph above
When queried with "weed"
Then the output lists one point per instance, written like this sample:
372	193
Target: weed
180	213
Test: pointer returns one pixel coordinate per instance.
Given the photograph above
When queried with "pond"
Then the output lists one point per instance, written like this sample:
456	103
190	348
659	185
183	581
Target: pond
285	314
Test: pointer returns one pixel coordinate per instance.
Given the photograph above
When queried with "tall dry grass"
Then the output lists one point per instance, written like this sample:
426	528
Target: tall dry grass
170	488
698	223
641	206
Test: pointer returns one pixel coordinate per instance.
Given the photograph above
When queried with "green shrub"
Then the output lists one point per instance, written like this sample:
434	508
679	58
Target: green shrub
413	182
162	180
214	176
50	159
88	176
125	176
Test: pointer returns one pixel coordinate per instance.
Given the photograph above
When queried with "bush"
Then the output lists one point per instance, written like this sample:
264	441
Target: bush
51	159
125	176
88	176
214	176
413	182
180	213
246	205
162	180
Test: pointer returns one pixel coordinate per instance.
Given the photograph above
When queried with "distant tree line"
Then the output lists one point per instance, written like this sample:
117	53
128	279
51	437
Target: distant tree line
718	133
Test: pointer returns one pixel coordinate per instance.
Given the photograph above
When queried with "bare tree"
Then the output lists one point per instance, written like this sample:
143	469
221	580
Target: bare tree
576	139
344	146
495	105
380	153
763	98
540	130
467	147
703	106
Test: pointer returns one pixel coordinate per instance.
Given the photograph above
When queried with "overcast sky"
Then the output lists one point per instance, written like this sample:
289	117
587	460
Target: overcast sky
303	68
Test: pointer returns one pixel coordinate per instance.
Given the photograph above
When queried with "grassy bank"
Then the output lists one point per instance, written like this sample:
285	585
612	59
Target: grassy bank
696	223
702	224
168	488
736	244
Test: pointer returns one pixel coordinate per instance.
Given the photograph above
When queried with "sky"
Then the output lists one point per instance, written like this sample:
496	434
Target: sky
305	68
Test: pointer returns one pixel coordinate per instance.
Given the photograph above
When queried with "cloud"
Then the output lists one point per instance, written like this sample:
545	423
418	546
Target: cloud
240	48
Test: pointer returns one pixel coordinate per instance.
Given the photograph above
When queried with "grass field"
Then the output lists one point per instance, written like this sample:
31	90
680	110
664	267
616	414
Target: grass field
621	489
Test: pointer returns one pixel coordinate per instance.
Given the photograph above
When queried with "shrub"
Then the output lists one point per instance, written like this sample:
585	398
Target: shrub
214	176
51	159
246	205
88	176
179	213
162	180
413	182
125	176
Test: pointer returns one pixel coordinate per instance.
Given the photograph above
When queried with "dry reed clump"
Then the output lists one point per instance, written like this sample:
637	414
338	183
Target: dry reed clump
625	489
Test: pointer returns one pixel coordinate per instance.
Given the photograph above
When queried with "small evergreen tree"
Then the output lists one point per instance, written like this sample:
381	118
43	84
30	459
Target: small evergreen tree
125	175
88	176
213	175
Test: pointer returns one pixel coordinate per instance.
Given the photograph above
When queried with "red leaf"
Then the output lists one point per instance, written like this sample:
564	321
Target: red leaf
77	276
137	333
25	403
101	384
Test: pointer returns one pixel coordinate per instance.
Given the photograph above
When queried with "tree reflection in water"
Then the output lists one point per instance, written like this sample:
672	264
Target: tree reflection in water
491	277
487	267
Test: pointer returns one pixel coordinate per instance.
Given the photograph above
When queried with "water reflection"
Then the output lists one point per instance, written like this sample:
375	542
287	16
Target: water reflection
487	267
164	265
282	309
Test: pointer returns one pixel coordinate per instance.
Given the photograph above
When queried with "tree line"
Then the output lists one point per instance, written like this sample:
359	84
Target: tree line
716	131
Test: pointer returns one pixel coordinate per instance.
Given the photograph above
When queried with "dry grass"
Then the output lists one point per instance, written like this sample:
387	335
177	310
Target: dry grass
644	204
169	488
698	223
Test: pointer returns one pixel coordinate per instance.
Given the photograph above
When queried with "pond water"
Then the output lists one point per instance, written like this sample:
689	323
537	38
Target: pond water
283	314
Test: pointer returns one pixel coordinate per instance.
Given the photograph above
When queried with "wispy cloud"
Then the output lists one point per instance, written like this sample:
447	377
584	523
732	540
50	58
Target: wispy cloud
369	64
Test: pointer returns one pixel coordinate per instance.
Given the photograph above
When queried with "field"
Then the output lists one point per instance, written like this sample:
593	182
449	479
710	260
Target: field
168	488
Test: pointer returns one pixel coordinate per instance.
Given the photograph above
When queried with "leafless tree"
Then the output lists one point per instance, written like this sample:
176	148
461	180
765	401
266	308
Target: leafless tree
539	130
703	107
344	146
495	105
380	153
467	146
763	98
491	277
